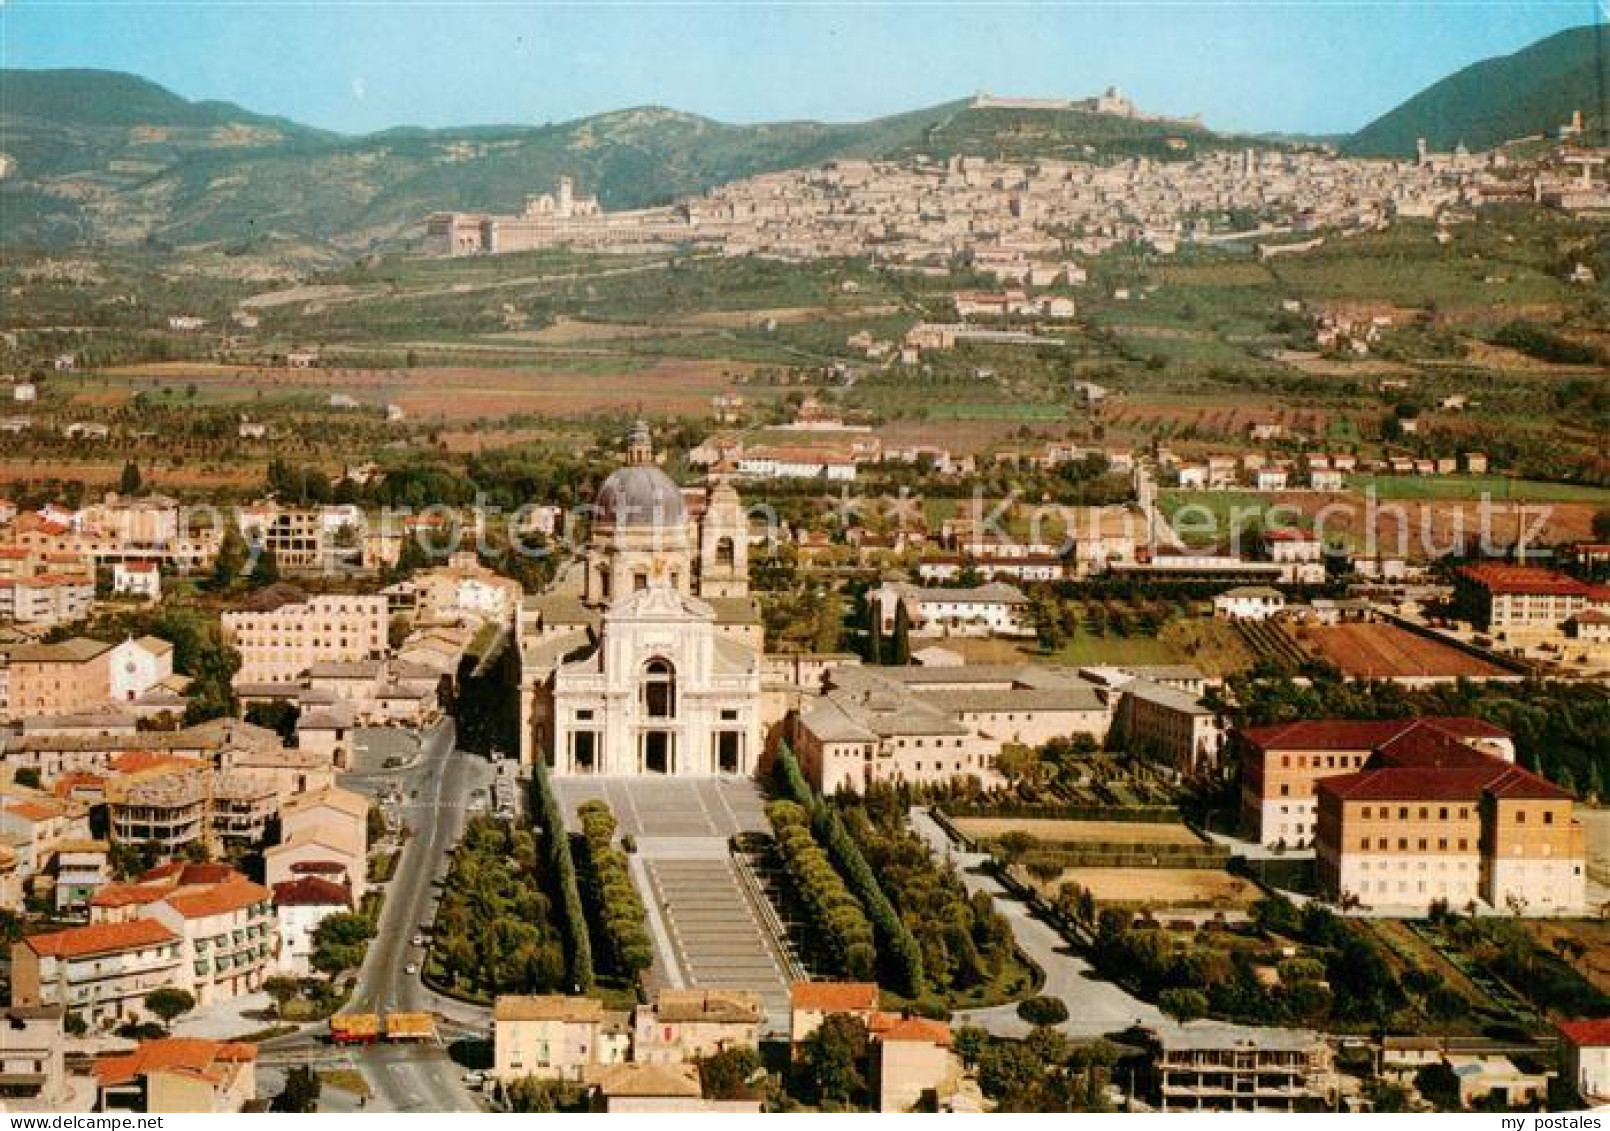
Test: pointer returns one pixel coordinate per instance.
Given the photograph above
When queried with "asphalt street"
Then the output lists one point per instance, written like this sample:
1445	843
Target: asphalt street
436	786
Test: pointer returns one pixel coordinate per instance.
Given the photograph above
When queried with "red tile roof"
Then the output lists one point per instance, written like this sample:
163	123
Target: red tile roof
1362	734
1513	579
194	1056
1425	783
1587	1032
1426	745
835	997
924	1030
127	895
312	891
31	810
135	761
219	900
100	938
181	872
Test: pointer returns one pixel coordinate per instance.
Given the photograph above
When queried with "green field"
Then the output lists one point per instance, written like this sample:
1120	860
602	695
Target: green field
976	411
1475	486
1086	648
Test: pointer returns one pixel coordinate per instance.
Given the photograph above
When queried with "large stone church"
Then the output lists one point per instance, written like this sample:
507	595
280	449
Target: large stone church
654	667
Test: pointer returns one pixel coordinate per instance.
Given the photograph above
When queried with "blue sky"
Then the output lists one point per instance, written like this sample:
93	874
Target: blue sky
1299	65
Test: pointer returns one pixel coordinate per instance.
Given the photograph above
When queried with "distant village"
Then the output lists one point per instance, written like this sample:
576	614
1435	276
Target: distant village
1012	219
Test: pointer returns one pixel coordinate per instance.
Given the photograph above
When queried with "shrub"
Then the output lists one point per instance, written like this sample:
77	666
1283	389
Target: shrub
1043	1010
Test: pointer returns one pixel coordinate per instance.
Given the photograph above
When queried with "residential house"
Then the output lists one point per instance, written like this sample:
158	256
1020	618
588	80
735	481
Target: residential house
102	971
684	1025
556	1037
179	1075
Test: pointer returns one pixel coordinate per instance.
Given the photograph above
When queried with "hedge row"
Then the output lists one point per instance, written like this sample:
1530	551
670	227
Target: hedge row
839	919
899	948
615	900
901	952
1138	814
790	779
562	867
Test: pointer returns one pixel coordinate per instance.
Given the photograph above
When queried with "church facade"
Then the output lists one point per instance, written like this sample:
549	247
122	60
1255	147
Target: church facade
652	662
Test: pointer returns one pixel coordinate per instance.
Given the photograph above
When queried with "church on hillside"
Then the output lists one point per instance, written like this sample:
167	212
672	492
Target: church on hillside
655	666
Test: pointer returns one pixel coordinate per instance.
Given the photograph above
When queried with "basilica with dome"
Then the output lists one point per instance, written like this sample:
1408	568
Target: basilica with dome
646	657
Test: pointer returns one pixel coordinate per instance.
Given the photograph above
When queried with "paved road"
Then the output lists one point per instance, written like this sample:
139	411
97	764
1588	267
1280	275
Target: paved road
436	787
1095	1007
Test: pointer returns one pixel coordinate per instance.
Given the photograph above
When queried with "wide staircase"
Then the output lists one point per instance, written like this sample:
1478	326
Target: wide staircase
718	926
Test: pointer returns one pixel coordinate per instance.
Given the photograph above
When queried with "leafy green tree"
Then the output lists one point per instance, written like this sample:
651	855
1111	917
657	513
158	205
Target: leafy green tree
1438	1085
267	570
375	825
833	1059
130	483
1013	846
230	563
300	1095
726	1074
874	633
283	989
1043	1010
339	942
169	1002
900	647
1183	1004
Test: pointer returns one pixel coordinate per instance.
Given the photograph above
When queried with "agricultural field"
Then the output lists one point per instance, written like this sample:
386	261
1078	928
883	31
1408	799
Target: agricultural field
1214	646
573	386
1182	888
1273	644
1385	651
1466	487
1420	529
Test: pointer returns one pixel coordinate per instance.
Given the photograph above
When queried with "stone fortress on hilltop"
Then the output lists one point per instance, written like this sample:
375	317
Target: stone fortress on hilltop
1111	101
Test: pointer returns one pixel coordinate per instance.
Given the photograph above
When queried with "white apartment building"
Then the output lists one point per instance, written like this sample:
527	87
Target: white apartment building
995	608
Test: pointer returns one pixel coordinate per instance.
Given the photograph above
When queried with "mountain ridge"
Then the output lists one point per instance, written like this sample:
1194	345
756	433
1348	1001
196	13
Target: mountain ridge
1494	100
106	156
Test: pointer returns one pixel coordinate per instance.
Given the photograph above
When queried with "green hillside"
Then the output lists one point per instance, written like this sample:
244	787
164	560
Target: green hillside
96	155
1068	134
99	156
1496	100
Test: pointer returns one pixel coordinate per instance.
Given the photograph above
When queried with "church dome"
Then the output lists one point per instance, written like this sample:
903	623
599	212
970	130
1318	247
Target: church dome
641	496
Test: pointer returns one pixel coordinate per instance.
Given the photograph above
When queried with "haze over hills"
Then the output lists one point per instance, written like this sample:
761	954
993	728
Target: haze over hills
102	157
1493	101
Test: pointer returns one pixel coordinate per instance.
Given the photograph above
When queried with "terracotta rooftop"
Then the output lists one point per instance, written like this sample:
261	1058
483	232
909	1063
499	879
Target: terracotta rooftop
1515	579
1463	783
1587	1032
312	891
1362	734
708	1005
206	1060
647	1080
100	938
835	997
234	895
920	1030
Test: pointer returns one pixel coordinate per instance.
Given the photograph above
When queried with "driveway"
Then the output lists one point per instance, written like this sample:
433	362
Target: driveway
1095	1007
